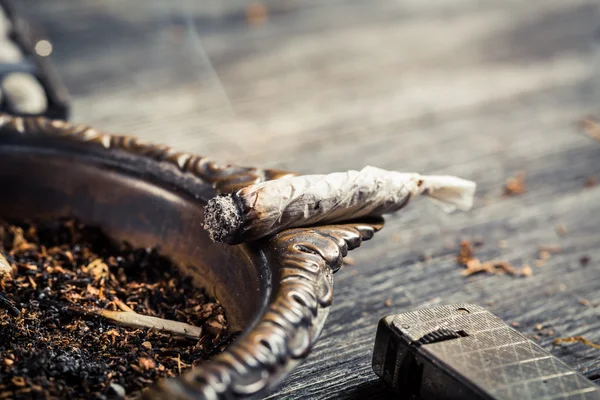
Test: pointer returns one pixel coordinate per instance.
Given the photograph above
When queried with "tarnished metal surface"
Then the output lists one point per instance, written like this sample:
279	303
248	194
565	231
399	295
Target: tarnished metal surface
224	178
302	261
306	258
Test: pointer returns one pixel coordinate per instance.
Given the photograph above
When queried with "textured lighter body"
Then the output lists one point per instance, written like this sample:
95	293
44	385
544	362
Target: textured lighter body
486	359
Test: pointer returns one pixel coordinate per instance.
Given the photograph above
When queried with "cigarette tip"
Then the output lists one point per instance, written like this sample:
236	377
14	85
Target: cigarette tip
222	218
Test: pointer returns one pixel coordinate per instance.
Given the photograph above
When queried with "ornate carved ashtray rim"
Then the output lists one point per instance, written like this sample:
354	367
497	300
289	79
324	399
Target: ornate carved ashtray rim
302	261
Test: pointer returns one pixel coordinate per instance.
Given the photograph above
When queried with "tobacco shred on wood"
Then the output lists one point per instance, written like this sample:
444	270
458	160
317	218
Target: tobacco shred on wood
257	14
576	339
590	181
585	302
590	127
466	257
584	260
515	185
49	351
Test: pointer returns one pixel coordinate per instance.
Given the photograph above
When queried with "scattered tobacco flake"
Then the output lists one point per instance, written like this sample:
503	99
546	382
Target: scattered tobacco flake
48	352
590	181
543	332
576	339
515	185
388	303
545	253
466	252
584	260
466	257
590	127
257	14
585	302
526	271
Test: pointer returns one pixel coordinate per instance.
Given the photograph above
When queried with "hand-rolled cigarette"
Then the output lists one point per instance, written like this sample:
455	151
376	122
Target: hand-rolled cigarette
266	208
131	319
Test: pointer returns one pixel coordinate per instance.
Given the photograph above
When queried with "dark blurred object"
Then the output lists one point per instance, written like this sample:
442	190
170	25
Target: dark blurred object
465	352
29	84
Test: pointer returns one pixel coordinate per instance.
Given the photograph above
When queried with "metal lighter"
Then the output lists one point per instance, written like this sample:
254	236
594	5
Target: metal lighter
465	352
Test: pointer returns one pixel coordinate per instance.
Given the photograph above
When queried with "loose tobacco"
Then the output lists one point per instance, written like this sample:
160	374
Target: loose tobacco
49	350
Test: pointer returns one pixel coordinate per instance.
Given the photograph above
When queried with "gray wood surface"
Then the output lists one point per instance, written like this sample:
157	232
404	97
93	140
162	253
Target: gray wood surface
480	89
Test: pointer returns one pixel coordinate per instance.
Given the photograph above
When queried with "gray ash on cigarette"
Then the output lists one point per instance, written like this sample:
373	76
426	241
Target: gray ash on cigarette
223	217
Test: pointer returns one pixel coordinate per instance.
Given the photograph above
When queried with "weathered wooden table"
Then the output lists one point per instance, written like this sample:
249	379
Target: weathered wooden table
480	89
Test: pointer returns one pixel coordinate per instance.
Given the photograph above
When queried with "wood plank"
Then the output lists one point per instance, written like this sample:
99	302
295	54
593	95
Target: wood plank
391	266
477	89
335	75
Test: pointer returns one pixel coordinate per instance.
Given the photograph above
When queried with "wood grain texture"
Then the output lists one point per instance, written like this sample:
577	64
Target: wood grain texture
476	89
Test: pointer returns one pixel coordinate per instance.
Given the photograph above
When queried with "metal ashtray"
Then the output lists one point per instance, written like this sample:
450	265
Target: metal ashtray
277	291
